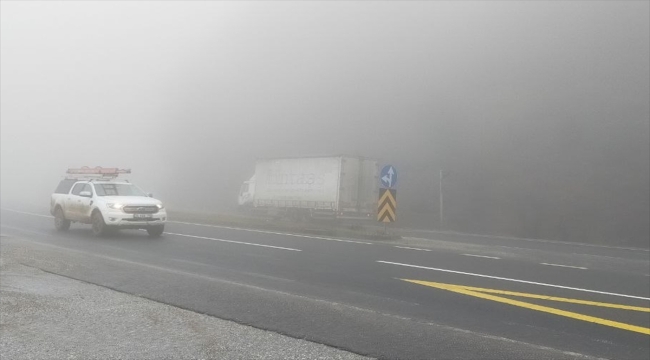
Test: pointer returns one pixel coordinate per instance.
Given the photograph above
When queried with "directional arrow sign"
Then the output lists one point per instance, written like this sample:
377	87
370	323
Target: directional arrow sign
388	177
387	205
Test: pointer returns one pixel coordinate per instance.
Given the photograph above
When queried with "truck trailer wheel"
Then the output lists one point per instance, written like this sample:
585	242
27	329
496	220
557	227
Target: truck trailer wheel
155	231
99	226
60	222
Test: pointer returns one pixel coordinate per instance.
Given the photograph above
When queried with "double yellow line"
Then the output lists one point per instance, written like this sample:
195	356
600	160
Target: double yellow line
484	293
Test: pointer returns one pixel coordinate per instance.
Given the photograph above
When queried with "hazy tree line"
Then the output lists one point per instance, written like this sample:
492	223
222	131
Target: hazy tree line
574	182
540	117
571	180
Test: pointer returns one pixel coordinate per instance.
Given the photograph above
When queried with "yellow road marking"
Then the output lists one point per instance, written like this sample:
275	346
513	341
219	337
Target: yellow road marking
483	294
552	298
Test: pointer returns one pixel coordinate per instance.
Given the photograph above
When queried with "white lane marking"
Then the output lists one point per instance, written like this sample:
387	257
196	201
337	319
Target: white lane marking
271	232
411	248
367	243
24	230
292	295
225	227
482	256
565	266
515	280
191	236
28	213
233	241
522	239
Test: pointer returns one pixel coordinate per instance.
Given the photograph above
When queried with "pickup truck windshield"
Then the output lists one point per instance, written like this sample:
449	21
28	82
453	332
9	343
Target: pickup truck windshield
118	190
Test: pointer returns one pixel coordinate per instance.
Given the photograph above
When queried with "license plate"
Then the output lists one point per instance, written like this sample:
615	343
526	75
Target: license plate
142	216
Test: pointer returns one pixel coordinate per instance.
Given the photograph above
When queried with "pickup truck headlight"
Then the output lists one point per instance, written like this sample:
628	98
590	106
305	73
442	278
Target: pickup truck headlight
115	206
160	206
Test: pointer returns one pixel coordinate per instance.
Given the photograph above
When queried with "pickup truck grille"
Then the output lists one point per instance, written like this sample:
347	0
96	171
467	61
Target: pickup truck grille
140	209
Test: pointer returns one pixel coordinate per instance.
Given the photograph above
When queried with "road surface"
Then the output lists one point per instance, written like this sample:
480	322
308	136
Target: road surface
427	296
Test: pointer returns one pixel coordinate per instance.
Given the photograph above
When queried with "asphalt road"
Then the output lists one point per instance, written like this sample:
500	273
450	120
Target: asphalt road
468	296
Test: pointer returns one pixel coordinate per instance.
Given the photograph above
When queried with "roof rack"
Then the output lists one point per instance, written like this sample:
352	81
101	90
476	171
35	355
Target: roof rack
96	173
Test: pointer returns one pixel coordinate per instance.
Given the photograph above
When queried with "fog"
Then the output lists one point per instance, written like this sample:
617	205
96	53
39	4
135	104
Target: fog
539	112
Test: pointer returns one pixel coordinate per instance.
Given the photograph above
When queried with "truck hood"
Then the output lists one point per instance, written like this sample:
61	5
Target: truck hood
131	200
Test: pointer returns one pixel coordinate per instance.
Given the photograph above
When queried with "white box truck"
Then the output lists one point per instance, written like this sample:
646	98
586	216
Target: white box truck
337	186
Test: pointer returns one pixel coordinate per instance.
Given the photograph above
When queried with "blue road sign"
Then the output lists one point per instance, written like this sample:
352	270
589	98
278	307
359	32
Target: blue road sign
388	177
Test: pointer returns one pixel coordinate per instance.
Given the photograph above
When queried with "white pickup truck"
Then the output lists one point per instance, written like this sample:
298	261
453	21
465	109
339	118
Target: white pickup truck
106	204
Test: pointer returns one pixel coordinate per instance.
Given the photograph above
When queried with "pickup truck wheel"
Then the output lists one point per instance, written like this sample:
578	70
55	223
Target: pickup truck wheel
60	222
99	226
156	231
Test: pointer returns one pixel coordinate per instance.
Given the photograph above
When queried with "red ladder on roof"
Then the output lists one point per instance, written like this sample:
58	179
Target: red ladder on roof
98	171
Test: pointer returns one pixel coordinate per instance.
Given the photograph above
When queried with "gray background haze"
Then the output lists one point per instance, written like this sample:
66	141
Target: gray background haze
539	111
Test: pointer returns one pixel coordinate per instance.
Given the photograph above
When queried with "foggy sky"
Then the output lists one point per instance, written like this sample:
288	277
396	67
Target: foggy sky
522	102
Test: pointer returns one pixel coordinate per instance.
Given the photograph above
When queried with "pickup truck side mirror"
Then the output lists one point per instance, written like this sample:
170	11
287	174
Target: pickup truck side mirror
86	194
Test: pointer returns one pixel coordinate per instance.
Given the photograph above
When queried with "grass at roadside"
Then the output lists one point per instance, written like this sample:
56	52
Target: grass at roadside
331	228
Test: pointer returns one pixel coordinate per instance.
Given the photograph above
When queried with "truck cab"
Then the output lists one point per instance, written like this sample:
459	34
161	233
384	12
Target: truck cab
247	192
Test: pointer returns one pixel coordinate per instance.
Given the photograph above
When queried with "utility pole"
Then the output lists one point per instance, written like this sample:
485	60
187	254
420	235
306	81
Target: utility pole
442	216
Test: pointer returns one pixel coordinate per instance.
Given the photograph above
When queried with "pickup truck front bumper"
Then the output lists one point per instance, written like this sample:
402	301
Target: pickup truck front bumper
123	220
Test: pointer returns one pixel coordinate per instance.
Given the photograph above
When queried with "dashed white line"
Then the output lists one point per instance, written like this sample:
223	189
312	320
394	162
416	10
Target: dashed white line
190	236
565	266
24	230
227	227
271	232
411	248
28	213
416	238
515	280
482	256
528	239
234	242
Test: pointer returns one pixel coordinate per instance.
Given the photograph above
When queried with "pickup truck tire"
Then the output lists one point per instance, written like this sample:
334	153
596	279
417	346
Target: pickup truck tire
60	222
99	226
156	231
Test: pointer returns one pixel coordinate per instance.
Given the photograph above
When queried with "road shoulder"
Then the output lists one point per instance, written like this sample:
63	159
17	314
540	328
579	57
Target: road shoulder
47	316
